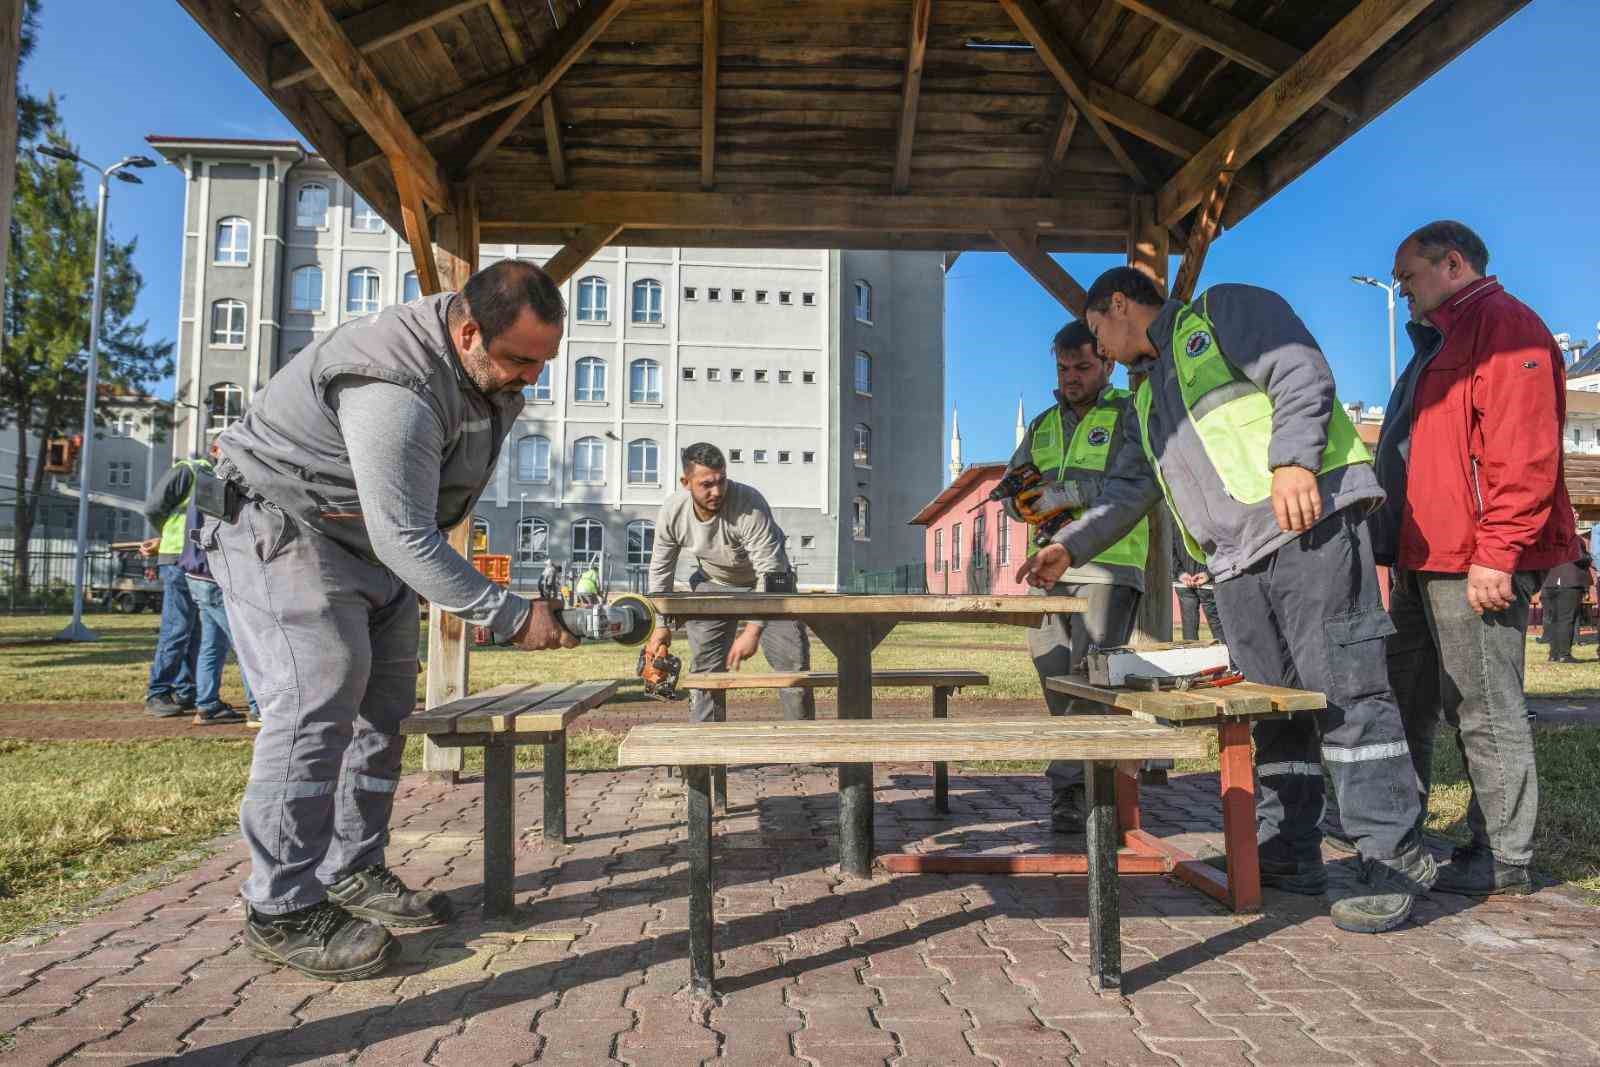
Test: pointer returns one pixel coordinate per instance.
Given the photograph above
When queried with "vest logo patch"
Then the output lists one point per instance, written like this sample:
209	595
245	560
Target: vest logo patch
1099	436
1198	342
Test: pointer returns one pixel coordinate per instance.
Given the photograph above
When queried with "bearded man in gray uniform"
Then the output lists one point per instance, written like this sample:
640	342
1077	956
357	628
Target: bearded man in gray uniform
338	485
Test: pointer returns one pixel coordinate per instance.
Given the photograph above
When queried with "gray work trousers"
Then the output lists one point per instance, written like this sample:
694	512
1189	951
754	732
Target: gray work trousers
1310	616
329	642
1060	641
784	642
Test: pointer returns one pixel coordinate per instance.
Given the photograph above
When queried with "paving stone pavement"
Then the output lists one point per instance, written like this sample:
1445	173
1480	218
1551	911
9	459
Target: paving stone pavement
813	968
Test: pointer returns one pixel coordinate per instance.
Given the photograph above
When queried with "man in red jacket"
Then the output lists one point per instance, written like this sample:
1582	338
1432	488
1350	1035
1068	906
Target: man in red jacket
1476	511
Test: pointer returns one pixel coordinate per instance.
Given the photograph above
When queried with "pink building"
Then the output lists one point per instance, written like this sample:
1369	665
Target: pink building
967	550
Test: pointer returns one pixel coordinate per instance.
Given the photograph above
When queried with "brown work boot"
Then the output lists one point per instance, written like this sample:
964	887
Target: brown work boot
378	895
322	941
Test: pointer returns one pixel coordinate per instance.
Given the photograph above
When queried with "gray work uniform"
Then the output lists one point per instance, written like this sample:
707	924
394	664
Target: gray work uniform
1299	609
1112	590
732	550
352	461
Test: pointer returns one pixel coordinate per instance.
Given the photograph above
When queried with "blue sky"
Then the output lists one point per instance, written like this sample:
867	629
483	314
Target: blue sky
1503	139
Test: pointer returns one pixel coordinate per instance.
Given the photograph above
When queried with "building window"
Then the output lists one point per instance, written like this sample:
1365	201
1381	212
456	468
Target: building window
863	374
539	390
737	374
808	299
785	297
690	293
644	382
227	324
785	377
863	302
688	374
225	405
738	296
1002	537
783	457
735	455
980	536
533	459
808	377
808	457
589	461
410	287
759	455
641	543
533	540
233	242
807	541
363	219
863	445
860	523
713	294
311	207
647	301
588	541
122	424
713	374
305	289
362	296
761	296
955	547
594	300
761	374
119	472
938	551
591	379
643	462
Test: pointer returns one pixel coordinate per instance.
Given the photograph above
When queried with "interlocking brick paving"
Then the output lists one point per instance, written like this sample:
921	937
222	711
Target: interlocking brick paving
813	968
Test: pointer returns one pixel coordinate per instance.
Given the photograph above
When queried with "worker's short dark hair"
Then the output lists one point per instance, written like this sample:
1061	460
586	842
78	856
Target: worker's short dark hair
1133	284
703	454
497	294
1073	336
1438	239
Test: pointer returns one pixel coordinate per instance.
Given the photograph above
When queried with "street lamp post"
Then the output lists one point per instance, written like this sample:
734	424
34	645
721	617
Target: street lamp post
1389	289
76	630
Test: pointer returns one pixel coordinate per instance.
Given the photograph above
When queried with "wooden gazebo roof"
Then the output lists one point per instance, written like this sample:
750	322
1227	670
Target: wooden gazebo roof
1028	125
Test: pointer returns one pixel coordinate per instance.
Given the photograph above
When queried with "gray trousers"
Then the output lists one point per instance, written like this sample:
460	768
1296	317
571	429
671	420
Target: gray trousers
1310	616
330	644
784	643
1059	641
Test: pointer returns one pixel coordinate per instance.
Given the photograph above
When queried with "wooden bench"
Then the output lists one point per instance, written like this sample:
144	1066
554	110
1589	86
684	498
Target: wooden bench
1101	741
498	720
942	682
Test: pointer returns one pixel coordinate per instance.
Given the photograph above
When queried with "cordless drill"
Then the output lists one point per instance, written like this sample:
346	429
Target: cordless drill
1048	505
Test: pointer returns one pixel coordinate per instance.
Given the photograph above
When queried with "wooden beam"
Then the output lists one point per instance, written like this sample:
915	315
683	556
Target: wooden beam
563	50
1145	122
580	250
1204	232
456	238
1046	271
1235	39
522	231
1065	66
1056	151
1329	61
911	91
369	31
415	215
10	58
1148	241
547	107
359	89
710	31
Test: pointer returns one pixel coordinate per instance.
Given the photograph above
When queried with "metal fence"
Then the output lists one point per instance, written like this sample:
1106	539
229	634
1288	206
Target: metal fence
46	582
976	576
906	578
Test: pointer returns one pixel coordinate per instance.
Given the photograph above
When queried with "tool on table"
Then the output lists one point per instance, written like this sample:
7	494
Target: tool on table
627	620
1210	678
1111	666
1046	506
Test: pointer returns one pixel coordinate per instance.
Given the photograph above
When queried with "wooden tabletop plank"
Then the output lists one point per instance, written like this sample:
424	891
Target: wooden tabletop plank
830	679
520	700
824	606
513	708
1241	700
843	741
442	719
553	716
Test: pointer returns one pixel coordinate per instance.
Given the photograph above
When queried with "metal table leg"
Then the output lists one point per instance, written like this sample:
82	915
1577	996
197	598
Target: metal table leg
1105	926
941	772
854	654
499	817
702	954
555	789
719	773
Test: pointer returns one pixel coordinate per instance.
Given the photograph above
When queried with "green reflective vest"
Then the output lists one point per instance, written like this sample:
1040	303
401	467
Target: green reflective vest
588	584
177	524
1086	454
1232	418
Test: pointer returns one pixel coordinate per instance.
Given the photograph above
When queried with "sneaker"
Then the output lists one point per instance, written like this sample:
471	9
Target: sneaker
377	894
322	941
1474	872
222	713
1303	879
164	706
1067	810
252	719
1392	888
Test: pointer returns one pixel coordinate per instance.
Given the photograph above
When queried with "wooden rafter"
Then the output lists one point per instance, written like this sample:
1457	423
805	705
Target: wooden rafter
1145	122
1328	62
1233	38
523	231
359	89
1204	232
580	249
369	31
547	107
1056	151
911	91
1069	71
564	49
415	215
1024	248
710	32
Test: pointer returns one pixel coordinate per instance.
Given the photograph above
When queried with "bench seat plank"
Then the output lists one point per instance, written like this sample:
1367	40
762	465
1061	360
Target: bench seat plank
1079	737
1241	700
830	679
514	708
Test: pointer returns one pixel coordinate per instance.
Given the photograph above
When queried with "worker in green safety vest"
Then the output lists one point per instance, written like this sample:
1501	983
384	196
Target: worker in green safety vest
1074	440
1237	425
171	690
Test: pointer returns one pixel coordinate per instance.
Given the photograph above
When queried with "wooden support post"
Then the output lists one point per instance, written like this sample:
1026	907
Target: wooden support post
499	827
578	251
702	890
941	770
555	789
1239	816
10	56
447	670
1127	797
1148	252
1205	230
457	238
1105	912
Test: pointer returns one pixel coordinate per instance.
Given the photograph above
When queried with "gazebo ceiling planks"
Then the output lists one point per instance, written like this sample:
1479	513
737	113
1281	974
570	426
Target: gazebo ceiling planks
944	124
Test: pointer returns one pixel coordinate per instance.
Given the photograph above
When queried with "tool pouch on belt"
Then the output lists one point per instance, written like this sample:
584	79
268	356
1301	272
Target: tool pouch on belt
216	497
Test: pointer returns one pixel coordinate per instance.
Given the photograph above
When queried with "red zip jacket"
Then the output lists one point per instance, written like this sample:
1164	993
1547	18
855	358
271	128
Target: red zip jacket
1485	482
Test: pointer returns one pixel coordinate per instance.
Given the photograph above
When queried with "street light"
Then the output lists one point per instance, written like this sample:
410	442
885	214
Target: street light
76	630
1389	288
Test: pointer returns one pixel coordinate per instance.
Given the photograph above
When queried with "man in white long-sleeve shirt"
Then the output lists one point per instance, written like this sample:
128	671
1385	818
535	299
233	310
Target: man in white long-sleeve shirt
729	531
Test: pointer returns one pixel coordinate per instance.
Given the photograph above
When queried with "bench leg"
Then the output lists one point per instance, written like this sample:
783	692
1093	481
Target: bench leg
1105	926
697	781
719	773
555	790
941	772
1239	816
499	835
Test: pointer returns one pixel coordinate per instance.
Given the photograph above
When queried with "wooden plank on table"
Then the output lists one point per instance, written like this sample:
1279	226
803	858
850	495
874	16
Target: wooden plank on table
555	715
511	701
442	719
1169	705
1078	737
830	679
908	607
1283	699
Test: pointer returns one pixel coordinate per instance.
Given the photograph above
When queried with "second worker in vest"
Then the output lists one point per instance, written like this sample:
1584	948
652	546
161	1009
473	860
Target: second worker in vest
1238	427
1073	442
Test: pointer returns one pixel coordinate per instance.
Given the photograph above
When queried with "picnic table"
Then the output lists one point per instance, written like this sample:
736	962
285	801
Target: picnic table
852	627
